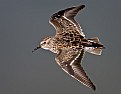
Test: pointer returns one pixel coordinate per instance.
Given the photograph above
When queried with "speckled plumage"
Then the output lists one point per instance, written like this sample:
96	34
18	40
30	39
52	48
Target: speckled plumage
70	44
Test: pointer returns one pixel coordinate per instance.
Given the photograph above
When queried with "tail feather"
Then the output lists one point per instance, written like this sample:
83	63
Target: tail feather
95	39
95	42
93	50
95	47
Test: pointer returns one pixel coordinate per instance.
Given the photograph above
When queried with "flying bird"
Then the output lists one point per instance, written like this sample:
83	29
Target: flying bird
70	44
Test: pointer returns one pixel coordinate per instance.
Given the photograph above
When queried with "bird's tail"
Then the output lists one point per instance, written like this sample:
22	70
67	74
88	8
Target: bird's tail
96	47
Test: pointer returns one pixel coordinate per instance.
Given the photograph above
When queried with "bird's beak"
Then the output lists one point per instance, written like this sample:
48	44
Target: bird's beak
38	47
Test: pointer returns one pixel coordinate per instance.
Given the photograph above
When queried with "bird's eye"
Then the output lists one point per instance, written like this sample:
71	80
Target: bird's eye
44	42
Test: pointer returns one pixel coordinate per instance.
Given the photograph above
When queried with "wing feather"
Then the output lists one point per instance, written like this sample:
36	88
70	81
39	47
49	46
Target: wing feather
81	76
70	13
74	69
64	20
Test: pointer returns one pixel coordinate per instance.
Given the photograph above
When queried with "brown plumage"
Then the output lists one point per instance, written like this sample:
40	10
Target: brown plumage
70	44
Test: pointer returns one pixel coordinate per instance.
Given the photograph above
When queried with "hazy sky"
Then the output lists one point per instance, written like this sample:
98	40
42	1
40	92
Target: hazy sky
23	23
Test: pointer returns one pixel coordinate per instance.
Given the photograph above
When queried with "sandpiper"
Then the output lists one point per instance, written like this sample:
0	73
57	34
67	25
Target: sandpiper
70	44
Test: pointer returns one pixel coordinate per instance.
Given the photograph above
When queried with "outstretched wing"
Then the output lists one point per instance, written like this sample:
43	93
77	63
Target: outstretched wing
70	63
64	21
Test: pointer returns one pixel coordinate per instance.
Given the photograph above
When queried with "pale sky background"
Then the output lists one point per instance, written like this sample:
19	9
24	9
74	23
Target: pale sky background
23	23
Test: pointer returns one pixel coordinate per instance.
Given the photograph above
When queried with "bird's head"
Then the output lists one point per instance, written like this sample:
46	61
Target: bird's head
46	43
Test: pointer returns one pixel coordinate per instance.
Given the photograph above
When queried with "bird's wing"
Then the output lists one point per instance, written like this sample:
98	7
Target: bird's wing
64	21
70	63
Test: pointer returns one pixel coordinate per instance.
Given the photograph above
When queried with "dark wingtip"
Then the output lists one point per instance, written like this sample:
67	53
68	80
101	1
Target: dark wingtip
61	13
36	49
82	6
94	88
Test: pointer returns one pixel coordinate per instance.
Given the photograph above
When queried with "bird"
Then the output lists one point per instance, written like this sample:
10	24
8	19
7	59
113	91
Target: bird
69	44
